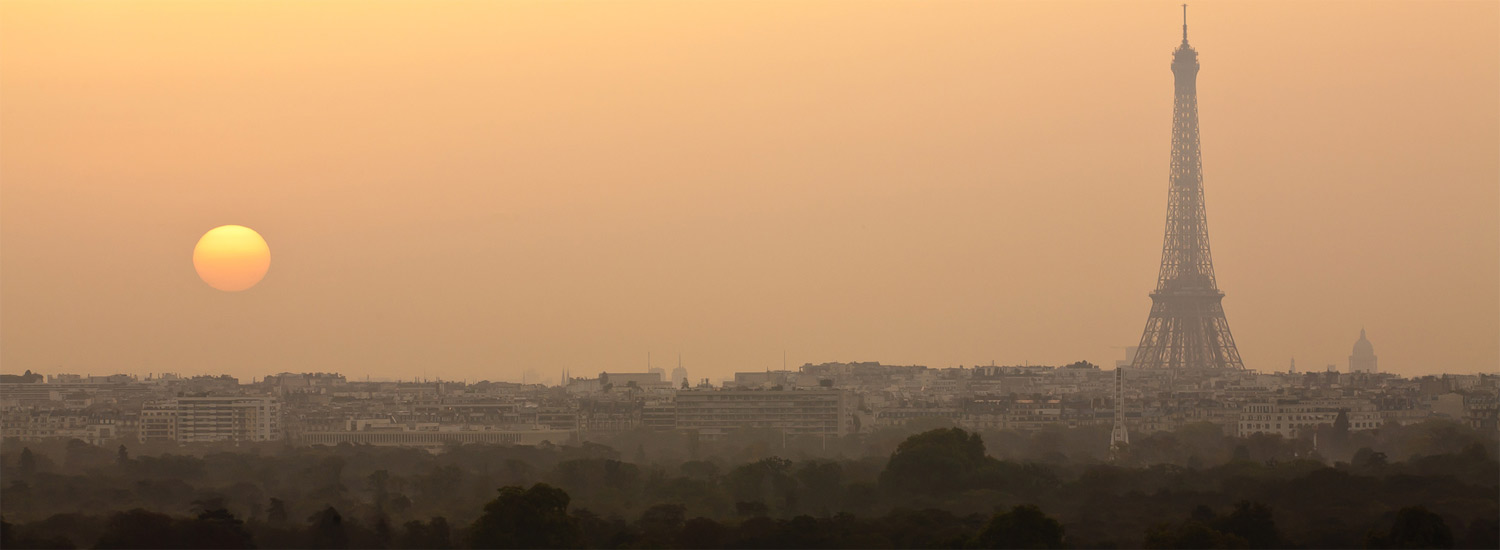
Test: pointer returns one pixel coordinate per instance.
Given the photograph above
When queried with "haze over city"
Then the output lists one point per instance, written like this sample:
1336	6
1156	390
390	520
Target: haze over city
743	274
473	191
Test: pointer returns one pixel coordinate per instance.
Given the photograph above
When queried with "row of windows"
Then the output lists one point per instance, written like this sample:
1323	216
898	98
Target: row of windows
1267	425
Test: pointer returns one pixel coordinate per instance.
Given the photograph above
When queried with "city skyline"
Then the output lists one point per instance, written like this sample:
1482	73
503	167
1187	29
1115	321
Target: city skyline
904	187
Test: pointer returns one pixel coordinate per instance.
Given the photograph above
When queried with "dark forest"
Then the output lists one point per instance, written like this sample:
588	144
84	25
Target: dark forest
1429	485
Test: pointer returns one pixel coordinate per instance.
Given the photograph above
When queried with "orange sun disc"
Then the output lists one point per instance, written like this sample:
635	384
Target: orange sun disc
231	258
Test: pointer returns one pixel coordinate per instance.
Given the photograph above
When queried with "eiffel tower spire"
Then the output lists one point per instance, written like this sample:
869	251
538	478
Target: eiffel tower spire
1186	328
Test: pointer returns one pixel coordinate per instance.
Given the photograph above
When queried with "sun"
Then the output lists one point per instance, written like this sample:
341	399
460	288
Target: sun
231	258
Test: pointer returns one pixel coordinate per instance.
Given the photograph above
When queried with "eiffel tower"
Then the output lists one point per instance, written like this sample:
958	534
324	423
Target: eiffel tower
1186	328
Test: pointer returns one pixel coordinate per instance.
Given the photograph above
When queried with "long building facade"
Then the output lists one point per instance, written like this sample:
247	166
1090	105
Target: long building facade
715	414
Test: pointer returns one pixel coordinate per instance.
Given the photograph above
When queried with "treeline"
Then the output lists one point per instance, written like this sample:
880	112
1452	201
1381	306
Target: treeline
940	488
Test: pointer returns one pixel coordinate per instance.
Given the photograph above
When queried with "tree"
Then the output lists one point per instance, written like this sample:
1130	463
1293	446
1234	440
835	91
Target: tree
122	455
702	533
383	534
1021	527
277	512
380	483
214	528
936	462
1414	527
1367	459
434	534
699	469
1240	453
1337	444
661	524
1253	522
327	530
1190	534
139	528
526	518
28	462
1482	533
767	481
823	482
751	509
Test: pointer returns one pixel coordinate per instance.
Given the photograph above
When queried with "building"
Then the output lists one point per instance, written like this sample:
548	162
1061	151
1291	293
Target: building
611	412
212	419
1291	417
642	380
158	422
1476	410
304	382
20	425
896	416
714	414
478	413
557	418
763	379
384	433
659	414
1363	358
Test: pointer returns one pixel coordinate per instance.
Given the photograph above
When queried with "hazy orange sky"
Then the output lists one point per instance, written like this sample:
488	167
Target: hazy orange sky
474	190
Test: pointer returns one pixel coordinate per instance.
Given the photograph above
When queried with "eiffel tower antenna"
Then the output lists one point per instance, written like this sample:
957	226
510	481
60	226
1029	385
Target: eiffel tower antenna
1184	23
1186	328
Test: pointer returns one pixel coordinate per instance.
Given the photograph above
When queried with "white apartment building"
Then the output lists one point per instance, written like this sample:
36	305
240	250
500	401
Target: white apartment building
1292	417
210	419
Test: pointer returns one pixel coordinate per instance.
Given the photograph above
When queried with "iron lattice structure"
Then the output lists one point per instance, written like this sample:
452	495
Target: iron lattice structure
1119	437
1186	328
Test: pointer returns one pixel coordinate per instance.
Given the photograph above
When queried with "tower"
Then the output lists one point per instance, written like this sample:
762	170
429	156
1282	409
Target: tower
1363	359
1118	436
679	374
1186	328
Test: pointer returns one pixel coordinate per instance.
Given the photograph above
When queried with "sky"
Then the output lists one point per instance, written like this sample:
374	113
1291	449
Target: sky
477	190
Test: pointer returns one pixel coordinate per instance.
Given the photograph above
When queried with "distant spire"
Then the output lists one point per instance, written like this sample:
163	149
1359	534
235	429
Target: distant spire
1184	23
1361	333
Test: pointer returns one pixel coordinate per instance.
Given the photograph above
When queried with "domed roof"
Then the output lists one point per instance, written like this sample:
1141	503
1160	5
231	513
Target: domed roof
1362	347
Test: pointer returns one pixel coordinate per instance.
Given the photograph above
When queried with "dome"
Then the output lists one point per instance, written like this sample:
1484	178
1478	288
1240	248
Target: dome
1362	347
